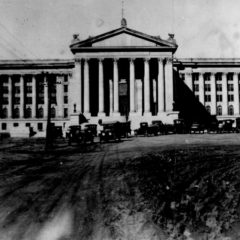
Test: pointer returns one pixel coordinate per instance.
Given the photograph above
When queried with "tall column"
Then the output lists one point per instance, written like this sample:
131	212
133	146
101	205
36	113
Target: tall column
160	84
224	94
146	87
60	96
236	93
110	96
86	86
45	110
139	96
189	80
10	96
34	97
132	85
101	88
213	94
22	107
169	84
201	88
75	98
115	88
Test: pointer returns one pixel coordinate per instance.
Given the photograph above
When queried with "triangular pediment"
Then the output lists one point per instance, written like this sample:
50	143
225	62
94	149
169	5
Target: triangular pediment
124	37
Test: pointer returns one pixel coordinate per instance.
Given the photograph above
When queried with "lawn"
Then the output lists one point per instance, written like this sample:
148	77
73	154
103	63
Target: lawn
108	192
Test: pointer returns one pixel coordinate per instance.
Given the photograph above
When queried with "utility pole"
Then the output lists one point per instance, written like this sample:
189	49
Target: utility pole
49	83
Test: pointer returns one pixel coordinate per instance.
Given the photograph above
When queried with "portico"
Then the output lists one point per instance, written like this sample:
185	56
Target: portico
123	73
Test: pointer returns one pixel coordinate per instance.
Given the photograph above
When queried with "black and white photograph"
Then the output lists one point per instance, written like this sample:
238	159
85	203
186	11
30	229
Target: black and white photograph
119	120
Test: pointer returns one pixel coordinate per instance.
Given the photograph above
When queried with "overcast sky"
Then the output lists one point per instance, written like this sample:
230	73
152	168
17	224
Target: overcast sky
44	28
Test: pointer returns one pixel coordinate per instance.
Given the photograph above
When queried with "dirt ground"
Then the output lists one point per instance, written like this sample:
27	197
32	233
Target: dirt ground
149	188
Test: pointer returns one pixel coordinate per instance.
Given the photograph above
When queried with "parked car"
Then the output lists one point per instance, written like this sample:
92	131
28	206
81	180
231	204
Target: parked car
237	127
142	130
77	135
226	126
197	128
110	132
161	126
92	128
180	126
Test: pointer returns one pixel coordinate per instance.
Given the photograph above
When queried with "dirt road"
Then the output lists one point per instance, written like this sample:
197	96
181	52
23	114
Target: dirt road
110	191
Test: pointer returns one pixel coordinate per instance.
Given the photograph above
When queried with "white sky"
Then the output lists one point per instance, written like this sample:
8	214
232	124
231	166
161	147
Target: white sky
44	28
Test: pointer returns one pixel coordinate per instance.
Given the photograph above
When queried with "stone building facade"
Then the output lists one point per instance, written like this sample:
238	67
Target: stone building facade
116	76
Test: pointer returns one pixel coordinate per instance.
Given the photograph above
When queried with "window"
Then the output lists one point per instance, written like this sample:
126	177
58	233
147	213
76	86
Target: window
4	113
196	87
40	88
208	108
4	126
16	113
65	78
53	112
65	99
28	112
16	100
5	100
195	76
230	110
65	88
65	112
17	89
219	87
28	100
218	76
230	76
206	76
40	126
29	89
219	110
40	100
230	98
219	98
207	98
28	124
5	89
230	87
15	124
40	112
207	87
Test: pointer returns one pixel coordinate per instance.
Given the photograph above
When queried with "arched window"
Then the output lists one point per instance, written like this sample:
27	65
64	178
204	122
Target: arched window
53	112
208	108
28	112
4	113
219	110
230	110
40	112
16	113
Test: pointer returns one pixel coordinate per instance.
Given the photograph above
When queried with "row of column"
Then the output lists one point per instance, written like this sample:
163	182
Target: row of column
22	104
224	92
164	83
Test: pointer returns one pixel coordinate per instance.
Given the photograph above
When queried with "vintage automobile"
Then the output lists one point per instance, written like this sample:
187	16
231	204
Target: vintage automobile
161	126
212	127
226	126
92	128
197	128
111	132
77	135
237	127
180	126
143	130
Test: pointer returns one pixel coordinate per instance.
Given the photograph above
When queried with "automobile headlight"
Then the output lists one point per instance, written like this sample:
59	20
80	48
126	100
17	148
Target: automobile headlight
103	134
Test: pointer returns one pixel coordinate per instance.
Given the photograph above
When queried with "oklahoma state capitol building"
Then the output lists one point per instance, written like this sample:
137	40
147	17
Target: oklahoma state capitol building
121	75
